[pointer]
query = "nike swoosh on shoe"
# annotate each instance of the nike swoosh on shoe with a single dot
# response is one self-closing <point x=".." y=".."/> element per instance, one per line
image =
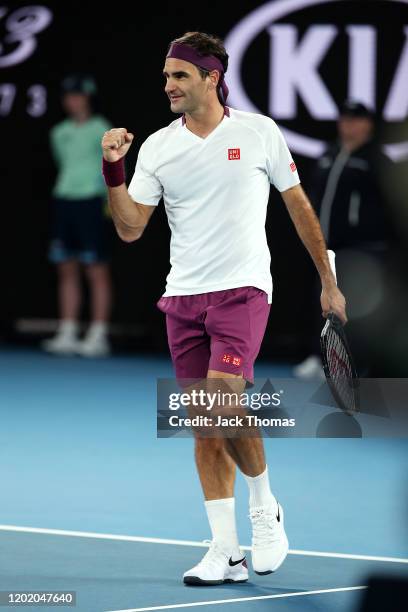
<point x="233" y="563"/>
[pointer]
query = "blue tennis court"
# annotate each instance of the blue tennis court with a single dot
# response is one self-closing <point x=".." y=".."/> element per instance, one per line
<point x="93" y="502"/>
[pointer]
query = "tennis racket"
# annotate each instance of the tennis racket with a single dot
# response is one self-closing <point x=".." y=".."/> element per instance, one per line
<point x="338" y="365"/>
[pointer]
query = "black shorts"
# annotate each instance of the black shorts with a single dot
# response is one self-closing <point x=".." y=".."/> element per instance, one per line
<point x="80" y="230"/>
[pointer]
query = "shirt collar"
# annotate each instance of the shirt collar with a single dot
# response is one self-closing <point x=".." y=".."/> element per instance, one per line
<point x="226" y="114"/>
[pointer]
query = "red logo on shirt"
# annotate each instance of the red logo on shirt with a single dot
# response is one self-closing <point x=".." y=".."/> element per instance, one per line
<point x="293" y="167"/>
<point x="236" y="361"/>
<point x="234" y="153"/>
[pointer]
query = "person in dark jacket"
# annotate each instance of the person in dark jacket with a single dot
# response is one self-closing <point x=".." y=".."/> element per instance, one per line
<point x="347" y="184"/>
<point x="349" y="196"/>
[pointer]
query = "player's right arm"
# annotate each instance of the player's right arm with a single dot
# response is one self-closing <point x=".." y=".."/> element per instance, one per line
<point x="130" y="217"/>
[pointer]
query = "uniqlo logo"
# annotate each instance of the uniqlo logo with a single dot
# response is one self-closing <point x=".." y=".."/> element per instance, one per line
<point x="236" y="361"/>
<point x="293" y="167"/>
<point x="234" y="153"/>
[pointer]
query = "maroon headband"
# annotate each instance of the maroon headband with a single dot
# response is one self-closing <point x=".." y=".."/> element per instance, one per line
<point x="206" y="62"/>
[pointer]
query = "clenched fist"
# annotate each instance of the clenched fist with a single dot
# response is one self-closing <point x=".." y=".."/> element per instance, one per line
<point x="116" y="143"/>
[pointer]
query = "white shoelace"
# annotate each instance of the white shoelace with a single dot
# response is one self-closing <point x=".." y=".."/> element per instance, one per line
<point x="264" y="527"/>
<point x="214" y="557"/>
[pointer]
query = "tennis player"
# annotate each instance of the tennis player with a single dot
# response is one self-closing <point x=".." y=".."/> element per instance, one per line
<point x="213" y="167"/>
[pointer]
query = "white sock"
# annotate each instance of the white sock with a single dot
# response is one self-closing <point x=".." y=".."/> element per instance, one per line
<point x="260" y="493"/>
<point x="221" y="516"/>
<point x="97" y="329"/>
<point x="68" y="328"/>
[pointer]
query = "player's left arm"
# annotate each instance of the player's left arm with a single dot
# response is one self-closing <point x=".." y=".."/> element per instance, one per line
<point x="308" y="228"/>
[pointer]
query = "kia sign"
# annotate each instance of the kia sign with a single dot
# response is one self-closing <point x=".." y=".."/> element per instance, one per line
<point x="18" y="45"/>
<point x="20" y="40"/>
<point x="292" y="65"/>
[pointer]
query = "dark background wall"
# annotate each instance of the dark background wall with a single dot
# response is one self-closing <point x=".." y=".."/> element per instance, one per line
<point x="123" y="46"/>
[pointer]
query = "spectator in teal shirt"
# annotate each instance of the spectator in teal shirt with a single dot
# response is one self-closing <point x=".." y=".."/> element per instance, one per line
<point x="80" y="228"/>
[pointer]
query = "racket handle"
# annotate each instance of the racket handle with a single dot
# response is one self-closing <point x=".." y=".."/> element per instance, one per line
<point x="332" y="257"/>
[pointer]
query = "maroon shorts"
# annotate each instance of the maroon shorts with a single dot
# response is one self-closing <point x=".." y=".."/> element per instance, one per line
<point x="220" y="330"/>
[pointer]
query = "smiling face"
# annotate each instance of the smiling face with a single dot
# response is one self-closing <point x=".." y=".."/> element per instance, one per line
<point x="186" y="88"/>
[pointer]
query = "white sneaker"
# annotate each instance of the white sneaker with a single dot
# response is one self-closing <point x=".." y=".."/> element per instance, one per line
<point x="217" y="567"/>
<point x="311" y="368"/>
<point x="269" y="542"/>
<point x="94" y="346"/>
<point x="61" y="344"/>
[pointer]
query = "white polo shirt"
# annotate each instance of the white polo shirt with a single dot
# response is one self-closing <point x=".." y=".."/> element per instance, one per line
<point x="215" y="191"/>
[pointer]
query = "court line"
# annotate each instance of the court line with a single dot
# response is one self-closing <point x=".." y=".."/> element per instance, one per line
<point x="239" y="599"/>
<point x="129" y="538"/>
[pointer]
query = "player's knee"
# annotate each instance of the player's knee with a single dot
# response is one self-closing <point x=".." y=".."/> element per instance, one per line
<point x="207" y="445"/>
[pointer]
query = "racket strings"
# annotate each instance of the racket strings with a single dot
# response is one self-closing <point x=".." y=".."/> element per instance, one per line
<point x="340" y="367"/>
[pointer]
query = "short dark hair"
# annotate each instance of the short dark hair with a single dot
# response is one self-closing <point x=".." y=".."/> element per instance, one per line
<point x="205" y="44"/>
